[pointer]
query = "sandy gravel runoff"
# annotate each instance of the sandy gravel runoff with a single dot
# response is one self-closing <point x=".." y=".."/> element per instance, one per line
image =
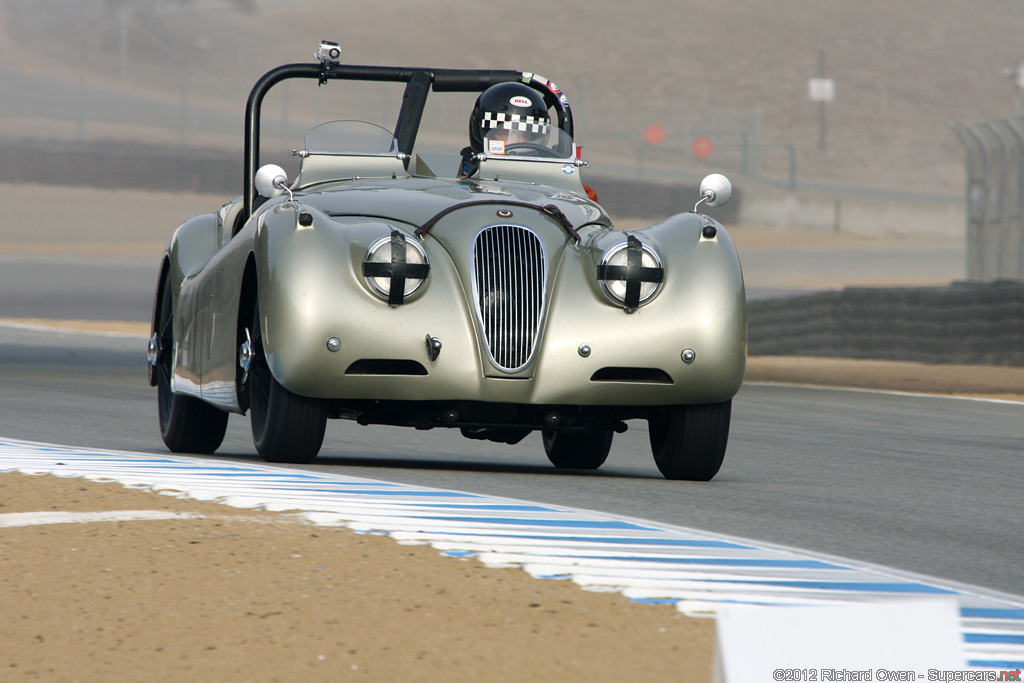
<point x="242" y="595"/>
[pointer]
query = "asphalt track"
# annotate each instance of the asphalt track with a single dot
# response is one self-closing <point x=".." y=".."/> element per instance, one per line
<point x="924" y="484"/>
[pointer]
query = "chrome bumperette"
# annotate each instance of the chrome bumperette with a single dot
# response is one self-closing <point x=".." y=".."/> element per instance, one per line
<point x="245" y="356"/>
<point x="153" y="350"/>
<point x="510" y="272"/>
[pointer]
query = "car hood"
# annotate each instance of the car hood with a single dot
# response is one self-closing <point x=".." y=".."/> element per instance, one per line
<point x="416" y="200"/>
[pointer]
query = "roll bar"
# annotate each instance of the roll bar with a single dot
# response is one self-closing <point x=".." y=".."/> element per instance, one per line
<point x="419" y="81"/>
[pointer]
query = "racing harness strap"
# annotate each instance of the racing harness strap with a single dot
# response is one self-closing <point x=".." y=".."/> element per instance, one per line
<point x="634" y="274"/>
<point x="398" y="271"/>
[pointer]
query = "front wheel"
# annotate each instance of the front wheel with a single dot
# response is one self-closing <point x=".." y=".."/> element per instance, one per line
<point x="577" y="449"/>
<point x="689" y="441"/>
<point x="187" y="425"/>
<point x="286" y="427"/>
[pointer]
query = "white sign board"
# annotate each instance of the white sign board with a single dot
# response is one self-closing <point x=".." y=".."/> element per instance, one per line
<point x="821" y="89"/>
<point x="896" y="640"/>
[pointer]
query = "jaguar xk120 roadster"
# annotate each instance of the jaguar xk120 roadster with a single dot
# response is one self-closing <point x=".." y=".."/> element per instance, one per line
<point x="483" y="290"/>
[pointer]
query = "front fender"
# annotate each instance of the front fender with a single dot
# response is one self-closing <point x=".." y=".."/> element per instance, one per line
<point x="701" y="307"/>
<point x="311" y="289"/>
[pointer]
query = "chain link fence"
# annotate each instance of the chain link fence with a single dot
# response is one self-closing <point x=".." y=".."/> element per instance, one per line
<point x="995" y="198"/>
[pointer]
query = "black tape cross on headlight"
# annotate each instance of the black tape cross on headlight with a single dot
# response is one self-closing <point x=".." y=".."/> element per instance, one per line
<point x="634" y="273"/>
<point x="397" y="271"/>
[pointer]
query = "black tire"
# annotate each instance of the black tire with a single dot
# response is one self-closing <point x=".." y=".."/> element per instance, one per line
<point x="689" y="441"/>
<point x="286" y="427"/>
<point x="577" y="449"/>
<point x="187" y="424"/>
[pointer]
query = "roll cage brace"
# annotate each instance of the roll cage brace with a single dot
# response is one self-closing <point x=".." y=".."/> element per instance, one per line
<point x="419" y="82"/>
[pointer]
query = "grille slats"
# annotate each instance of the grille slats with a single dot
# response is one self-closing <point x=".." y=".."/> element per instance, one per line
<point x="509" y="281"/>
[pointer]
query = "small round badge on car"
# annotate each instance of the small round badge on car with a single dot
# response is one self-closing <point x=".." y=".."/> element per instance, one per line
<point x="504" y="213"/>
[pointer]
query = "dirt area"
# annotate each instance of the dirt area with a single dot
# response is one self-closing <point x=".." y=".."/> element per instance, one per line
<point x="241" y="595"/>
<point x="976" y="381"/>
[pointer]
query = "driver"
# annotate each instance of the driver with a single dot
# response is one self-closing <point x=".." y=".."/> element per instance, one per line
<point x="515" y="112"/>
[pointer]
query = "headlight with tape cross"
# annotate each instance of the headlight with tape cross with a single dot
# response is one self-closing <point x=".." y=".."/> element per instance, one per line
<point x="395" y="268"/>
<point x="631" y="273"/>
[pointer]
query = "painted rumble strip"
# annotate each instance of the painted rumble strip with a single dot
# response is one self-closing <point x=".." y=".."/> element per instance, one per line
<point x="645" y="561"/>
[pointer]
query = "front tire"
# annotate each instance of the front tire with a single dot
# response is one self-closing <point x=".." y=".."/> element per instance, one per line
<point x="187" y="424"/>
<point x="577" y="449"/>
<point x="286" y="427"/>
<point x="689" y="441"/>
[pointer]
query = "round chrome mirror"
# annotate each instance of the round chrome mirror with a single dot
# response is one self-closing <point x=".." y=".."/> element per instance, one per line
<point x="271" y="180"/>
<point x="715" y="189"/>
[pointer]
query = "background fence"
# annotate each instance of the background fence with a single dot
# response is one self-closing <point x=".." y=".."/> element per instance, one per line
<point x="995" y="198"/>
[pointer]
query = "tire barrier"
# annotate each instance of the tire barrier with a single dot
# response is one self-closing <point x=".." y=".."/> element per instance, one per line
<point x="966" y="323"/>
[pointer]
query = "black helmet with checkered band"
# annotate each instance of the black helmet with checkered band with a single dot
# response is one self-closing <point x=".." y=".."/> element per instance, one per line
<point x="512" y="106"/>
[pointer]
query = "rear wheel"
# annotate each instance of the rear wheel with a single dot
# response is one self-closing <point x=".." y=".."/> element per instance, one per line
<point x="187" y="425"/>
<point x="577" y="449"/>
<point x="689" y="441"/>
<point x="286" y="427"/>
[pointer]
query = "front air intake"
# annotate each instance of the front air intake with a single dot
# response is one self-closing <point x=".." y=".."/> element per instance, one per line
<point x="510" y="273"/>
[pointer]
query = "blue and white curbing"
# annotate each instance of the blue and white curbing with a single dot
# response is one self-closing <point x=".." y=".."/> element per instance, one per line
<point x="645" y="561"/>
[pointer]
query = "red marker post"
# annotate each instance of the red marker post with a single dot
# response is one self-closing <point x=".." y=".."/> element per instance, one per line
<point x="655" y="135"/>
<point x="702" y="148"/>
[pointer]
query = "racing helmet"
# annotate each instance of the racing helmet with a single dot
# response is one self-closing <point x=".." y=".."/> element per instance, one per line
<point x="511" y="106"/>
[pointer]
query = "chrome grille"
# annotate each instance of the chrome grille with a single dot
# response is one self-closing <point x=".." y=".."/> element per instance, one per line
<point x="509" y="285"/>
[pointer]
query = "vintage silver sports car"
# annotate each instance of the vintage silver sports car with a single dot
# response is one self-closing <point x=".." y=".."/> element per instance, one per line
<point x="485" y="292"/>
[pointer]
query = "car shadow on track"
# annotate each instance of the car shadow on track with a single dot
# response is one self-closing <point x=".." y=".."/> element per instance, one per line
<point x="385" y="463"/>
<point x="468" y="466"/>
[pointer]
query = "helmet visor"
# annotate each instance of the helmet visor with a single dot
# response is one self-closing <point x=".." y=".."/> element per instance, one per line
<point x="554" y="144"/>
<point x="515" y="128"/>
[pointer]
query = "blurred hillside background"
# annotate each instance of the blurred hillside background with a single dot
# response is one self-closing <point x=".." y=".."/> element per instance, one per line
<point x="736" y="72"/>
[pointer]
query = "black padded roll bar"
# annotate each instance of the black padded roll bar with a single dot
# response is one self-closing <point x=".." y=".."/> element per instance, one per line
<point x="440" y="80"/>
